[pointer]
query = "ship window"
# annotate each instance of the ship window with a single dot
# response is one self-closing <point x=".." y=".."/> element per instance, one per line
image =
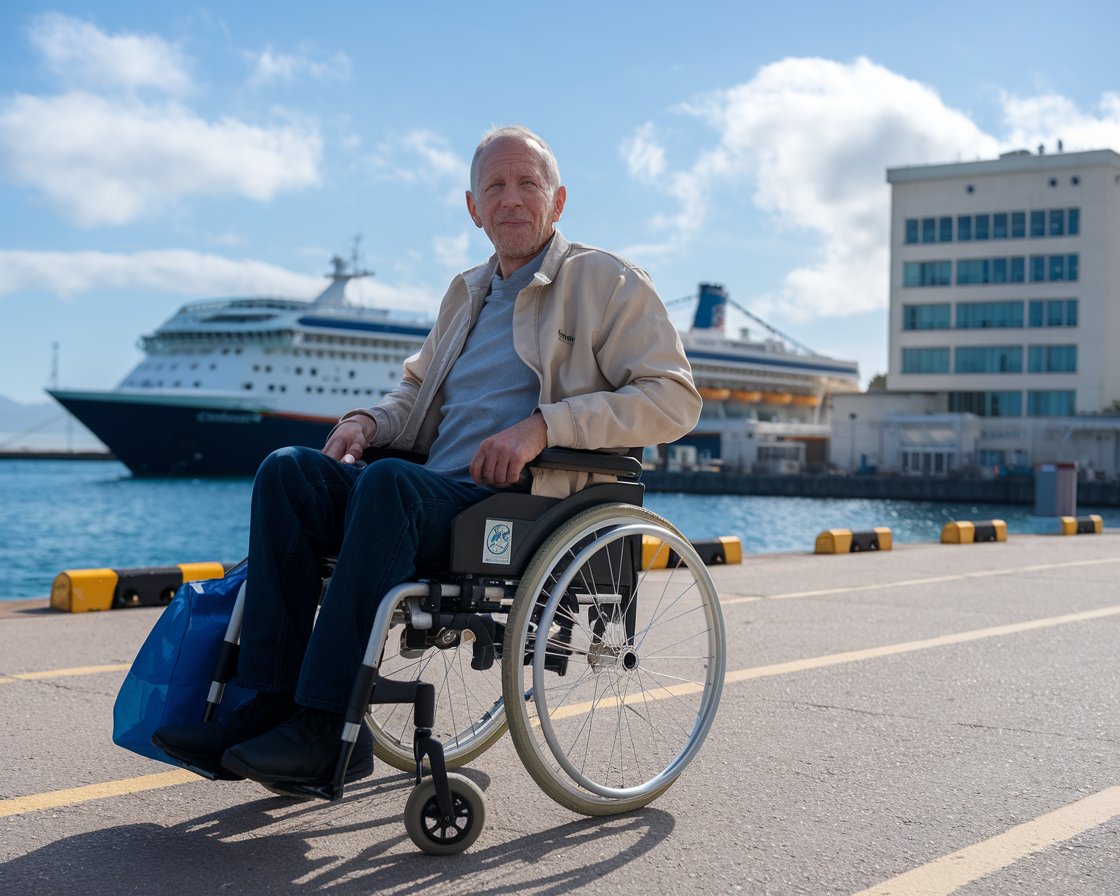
<point x="299" y="371"/>
<point x="353" y="374"/>
<point x="313" y="371"/>
<point x="283" y="388"/>
<point x="197" y="384"/>
<point x="271" y="387"/>
<point x="246" y="385"/>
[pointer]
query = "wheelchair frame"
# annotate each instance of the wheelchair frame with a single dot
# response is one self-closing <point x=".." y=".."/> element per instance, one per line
<point x="566" y="557"/>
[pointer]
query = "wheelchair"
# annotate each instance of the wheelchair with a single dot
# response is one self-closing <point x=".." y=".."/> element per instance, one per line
<point x="588" y="627"/>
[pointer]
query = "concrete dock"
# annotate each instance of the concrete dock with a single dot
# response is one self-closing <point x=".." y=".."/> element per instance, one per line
<point x="929" y="720"/>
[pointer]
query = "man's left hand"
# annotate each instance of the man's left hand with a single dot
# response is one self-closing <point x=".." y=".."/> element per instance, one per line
<point x="500" y="459"/>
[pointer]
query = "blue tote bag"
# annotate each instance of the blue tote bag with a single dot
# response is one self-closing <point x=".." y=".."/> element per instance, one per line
<point x="170" y="678"/>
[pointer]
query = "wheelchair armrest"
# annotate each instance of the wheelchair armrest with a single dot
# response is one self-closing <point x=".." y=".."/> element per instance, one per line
<point x="624" y="466"/>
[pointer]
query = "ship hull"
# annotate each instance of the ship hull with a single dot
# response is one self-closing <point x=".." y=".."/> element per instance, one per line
<point x="173" y="438"/>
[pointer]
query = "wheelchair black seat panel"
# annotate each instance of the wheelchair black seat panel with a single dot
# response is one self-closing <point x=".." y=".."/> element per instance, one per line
<point x="498" y="536"/>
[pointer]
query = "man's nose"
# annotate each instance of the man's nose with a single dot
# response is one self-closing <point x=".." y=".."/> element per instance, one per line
<point x="511" y="197"/>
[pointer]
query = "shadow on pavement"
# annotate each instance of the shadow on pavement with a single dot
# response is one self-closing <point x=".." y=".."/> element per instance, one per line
<point x="276" y="845"/>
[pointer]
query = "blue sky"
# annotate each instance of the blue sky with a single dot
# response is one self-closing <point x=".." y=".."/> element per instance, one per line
<point x="151" y="154"/>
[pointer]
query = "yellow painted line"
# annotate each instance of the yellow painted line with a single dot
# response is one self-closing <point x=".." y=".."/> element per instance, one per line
<point x="837" y="659"/>
<point x="55" y="799"/>
<point x="870" y="653"/>
<point x="910" y="583"/>
<point x="58" y="798"/>
<point x="951" y="872"/>
<point x="9" y="677"/>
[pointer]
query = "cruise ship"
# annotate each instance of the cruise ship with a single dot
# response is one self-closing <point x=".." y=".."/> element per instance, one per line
<point x="225" y="382"/>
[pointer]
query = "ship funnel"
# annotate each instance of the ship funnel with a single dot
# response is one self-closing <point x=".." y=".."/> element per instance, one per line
<point x="710" y="311"/>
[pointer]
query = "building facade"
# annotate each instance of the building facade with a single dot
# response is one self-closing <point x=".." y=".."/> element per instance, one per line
<point x="1005" y="305"/>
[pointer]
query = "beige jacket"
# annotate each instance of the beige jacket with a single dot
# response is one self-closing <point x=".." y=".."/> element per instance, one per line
<point x="612" y="368"/>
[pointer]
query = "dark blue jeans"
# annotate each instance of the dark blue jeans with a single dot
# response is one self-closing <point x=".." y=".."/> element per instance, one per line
<point x="384" y="522"/>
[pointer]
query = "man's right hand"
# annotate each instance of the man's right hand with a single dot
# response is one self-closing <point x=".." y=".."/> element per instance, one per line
<point x="350" y="439"/>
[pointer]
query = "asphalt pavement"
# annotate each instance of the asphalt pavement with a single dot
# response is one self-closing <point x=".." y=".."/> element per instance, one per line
<point x="932" y="719"/>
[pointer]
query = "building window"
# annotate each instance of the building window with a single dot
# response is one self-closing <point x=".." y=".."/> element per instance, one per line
<point x="1052" y="359"/>
<point x="911" y="231"/>
<point x="980" y="231"/>
<point x="972" y="271"/>
<point x="982" y="315"/>
<point x="929" y="230"/>
<point x="945" y="229"/>
<point x="1057" y="222"/>
<point x="927" y="273"/>
<point x="1053" y="313"/>
<point x="1038" y="224"/>
<point x="925" y="317"/>
<point x="925" y="360"/>
<point x="999" y="226"/>
<point x="1051" y="403"/>
<point x="1038" y="269"/>
<point x="1073" y="221"/>
<point x="988" y="359"/>
<point x="987" y="404"/>
<point x="1018" y="225"/>
<point x="964" y="228"/>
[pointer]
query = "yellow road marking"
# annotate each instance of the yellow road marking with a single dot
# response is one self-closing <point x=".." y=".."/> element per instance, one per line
<point x="953" y="871"/>
<point x="909" y="583"/>
<point x="837" y="659"/>
<point x="54" y="799"/>
<point x="9" y="677"/>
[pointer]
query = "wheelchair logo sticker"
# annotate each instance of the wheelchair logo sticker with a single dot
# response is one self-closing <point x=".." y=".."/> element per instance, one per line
<point x="497" y="542"/>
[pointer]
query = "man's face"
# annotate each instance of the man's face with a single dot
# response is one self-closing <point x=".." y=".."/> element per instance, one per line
<point x="515" y="204"/>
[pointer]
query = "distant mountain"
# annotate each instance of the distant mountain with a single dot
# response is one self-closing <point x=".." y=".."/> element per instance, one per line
<point x="42" y="426"/>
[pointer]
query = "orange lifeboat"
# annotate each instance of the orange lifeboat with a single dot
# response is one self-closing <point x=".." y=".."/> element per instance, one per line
<point x="777" y="398"/>
<point x="747" y="396"/>
<point x="805" y="401"/>
<point x="710" y="393"/>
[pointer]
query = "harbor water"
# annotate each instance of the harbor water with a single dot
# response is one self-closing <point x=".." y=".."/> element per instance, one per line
<point x="66" y="514"/>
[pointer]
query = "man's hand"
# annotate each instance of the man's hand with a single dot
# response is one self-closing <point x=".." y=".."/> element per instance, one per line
<point x="501" y="459"/>
<point x="350" y="438"/>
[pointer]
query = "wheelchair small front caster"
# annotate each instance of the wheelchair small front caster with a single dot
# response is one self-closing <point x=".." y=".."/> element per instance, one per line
<point x="440" y="836"/>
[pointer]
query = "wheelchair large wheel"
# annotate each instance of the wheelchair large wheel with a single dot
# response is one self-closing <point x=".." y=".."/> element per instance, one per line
<point x="610" y="706"/>
<point x="469" y="710"/>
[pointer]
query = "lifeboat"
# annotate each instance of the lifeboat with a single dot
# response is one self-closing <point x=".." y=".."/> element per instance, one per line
<point x="776" y="398"/>
<point x="709" y="393"/>
<point x="747" y="396"/>
<point x="805" y="401"/>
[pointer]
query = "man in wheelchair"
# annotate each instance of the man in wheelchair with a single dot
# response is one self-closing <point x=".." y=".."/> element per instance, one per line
<point x="547" y="344"/>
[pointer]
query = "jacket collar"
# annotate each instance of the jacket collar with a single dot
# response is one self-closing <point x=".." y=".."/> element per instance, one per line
<point x="478" y="278"/>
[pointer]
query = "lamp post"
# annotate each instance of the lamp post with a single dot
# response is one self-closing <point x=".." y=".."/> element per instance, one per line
<point x="852" y="457"/>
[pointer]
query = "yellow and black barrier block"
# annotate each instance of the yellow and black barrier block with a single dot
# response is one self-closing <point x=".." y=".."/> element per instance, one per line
<point x="86" y="590"/>
<point x="971" y="532"/>
<point x="1080" y="525"/>
<point x="713" y="552"/>
<point x="845" y="541"/>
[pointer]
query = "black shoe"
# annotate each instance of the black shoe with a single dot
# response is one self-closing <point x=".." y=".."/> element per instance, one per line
<point x="201" y="745"/>
<point x="304" y="750"/>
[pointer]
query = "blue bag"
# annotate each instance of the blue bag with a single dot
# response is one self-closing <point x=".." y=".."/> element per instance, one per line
<point x="170" y="678"/>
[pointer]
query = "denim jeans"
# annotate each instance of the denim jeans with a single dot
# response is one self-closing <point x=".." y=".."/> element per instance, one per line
<point x="384" y="522"/>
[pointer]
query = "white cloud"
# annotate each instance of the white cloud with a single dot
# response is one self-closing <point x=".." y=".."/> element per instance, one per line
<point x="81" y="54"/>
<point x="270" y="67"/>
<point x="102" y="162"/>
<point x="452" y="251"/>
<point x="1043" y="120"/>
<point x="815" y="137"/>
<point x="424" y="157"/>
<point x="644" y="157"/>
<point x="184" y="272"/>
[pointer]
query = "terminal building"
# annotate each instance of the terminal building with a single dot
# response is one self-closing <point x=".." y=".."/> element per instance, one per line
<point x="1004" y="320"/>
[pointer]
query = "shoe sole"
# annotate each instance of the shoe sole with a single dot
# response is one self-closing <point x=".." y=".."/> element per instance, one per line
<point x="234" y="765"/>
<point x="206" y="766"/>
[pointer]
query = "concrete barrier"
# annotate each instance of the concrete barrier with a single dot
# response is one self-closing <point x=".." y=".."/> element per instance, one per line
<point x="713" y="551"/>
<point x="1080" y="525"/>
<point x="87" y="590"/>
<point x="845" y="541"/>
<point x="967" y="532"/>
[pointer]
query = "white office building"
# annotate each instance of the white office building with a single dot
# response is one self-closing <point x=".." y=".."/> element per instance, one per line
<point x="1004" y="320"/>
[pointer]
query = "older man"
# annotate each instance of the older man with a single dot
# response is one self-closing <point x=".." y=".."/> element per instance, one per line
<point x="548" y="344"/>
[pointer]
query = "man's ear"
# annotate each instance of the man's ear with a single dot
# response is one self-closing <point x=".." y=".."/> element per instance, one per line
<point x="473" y="210"/>
<point x="558" y="203"/>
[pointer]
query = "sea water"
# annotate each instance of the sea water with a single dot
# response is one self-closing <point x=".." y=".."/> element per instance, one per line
<point x="68" y="514"/>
